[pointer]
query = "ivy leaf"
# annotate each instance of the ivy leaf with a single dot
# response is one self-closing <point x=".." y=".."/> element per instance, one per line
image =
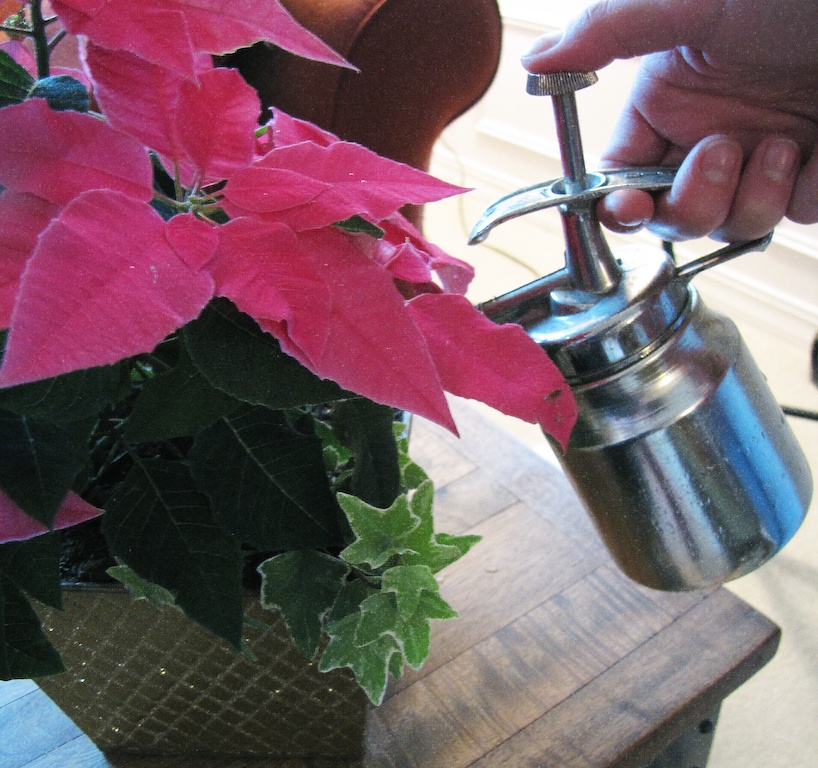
<point x="179" y="402"/>
<point x="266" y="481"/>
<point x="428" y="548"/>
<point x="24" y="650"/>
<point x="34" y="567"/>
<point x="390" y="627"/>
<point x="370" y="663"/>
<point x="159" y="524"/>
<point x="224" y="344"/>
<point x="412" y="474"/>
<point x="409" y="583"/>
<point x="335" y="452"/>
<point x="142" y="589"/>
<point x="403" y="610"/>
<point x="39" y="461"/>
<point x="15" y="81"/>
<point x="303" y="585"/>
<point x="380" y="533"/>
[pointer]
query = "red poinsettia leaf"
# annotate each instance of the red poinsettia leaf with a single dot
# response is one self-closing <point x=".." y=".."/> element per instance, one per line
<point x="409" y="256"/>
<point x="16" y="525"/>
<point x="22" y="218"/>
<point x="102" y="284"/>
<point x="499" y="365"/>
<point x="358" y="182"/>
<point x="292" y="130"/>
<point x="58" y="155"/>
<point x="333" y="309"/>
<point x="216" y="122"/>
<point x="194" y="240"/>
<point x="159" y="34"/>
<point x="167" y="32"/>
<point x="140" y="98"/>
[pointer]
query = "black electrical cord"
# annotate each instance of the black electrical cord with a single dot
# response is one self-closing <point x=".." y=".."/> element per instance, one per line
<point x="799" y="413"/>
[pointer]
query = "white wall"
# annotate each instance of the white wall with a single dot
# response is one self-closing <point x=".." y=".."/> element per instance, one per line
<point x="508" y="141"/>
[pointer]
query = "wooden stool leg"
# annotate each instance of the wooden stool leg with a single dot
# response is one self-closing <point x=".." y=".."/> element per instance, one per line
<point x="691" y="749"/>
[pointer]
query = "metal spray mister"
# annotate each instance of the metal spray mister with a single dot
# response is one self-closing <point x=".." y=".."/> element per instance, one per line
<point x="680" y="454"/>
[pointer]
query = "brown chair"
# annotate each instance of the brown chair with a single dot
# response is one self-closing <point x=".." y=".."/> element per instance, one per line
<point x="422" y="63"/>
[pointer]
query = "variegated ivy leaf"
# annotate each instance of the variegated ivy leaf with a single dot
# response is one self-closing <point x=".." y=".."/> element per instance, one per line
<point x="391" y="627"/>
<point x="380" y="533"/>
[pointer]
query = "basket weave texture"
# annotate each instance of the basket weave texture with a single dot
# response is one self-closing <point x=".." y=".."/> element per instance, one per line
<point x="150" y="681"/>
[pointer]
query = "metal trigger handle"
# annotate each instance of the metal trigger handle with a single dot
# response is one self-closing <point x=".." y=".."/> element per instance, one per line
<point x="590" y="266"/>
<point x="552" y="193"/>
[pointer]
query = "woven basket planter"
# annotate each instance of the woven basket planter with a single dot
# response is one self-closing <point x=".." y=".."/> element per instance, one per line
<point x="149" y="681"/>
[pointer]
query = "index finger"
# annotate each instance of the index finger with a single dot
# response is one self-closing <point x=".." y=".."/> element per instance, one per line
<point x="623" y="29"/>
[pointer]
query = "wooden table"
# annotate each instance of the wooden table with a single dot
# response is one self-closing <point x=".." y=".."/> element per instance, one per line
<point x="557" y="659"/>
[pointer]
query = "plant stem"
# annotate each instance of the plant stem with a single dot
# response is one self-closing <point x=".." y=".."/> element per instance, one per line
<point x="52" y="44"/>
<point x="40" y="38"/>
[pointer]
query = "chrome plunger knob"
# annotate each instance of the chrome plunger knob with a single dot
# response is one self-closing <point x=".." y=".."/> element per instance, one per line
<point x="590" y="262"/>
<point x="561" y="86"/>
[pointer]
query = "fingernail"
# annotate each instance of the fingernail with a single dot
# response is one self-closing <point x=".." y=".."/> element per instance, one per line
<point x="634" y="224"/>
<point x="720" y="162"/>
<point x="541" y="45"/>
<point x="779" y="159"/>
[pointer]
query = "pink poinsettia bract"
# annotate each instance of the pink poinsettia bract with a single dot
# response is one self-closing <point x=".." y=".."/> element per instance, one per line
<point x="268" y="217"/>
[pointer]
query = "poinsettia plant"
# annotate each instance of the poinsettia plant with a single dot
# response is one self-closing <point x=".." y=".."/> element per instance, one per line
<point x="210" y="327"/>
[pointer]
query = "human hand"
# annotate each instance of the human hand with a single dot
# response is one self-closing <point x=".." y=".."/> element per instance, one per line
<point x="729" y="90"/>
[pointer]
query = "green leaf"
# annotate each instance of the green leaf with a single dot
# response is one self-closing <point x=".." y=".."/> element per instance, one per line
<point x="303" y="585"/>
<point x="225" y="345"/>
<point x="360" y="224"/>
<point x="412" y="474"/>
<point x="62" y="92"/>
<point x="335" y="452"/>
<point x="349" y="599"/>
<point x="24" y="650"/>
<point x="39" y="461"/>
<point x="142" y="589"/>
<point x="370" y="664"/>
<point x="177" y="403"/>
<point x="409" y="599"/>
<point x="408" y="583"/>
<point x="15" y="81"/>
<point x="266" y="481"/>
<point x="389" y="628"/>
<point x="71" y="397"/>
<point x="34" y="566"/>
<point x="368" y="429"/>
<point x="161" y="525"/>
<point x="378" y="616"/>
<point x="380" y="533"/>
<point x="428" y="548"/>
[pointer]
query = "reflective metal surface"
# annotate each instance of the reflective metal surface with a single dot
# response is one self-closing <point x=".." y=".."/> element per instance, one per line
<point x="686" y="462"/>
<point x="681" y="454"/>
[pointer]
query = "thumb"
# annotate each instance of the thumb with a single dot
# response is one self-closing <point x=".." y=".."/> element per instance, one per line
<point x="621" y="29"/>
